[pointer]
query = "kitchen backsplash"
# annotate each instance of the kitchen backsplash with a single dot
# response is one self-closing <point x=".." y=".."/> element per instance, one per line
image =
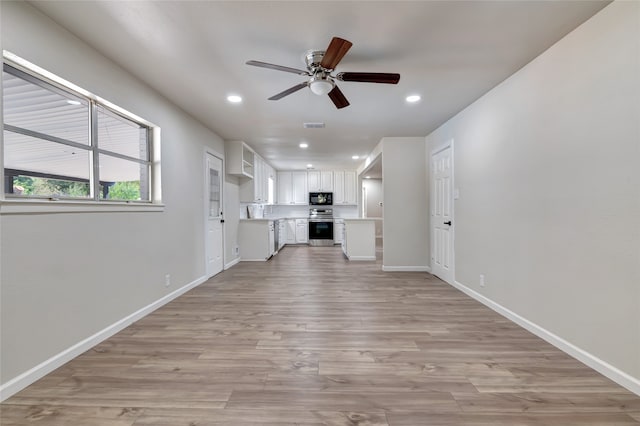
<point x="278" y="211"/>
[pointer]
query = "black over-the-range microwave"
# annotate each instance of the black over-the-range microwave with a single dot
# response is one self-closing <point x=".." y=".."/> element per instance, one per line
<point x="321" y="198"/>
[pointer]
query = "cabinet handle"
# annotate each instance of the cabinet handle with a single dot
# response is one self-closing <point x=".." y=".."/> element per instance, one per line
<point x="448" y="223"/>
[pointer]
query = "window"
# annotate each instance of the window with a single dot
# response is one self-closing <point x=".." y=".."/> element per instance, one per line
<point x="60" y="143"/>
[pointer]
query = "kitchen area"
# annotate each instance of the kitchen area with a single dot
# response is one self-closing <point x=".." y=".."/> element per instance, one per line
<point x="297" y="207"/>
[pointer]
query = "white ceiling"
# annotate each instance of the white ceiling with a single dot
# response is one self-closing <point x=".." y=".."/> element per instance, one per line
<point x="194" y="52"/>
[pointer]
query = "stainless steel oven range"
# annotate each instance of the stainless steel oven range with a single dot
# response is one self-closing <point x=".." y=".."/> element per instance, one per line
<point x="321" y="227"/>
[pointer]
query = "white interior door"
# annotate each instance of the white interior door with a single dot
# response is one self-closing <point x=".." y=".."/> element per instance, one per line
<point x="442" y="213"/>
<point x="213" y="205"/>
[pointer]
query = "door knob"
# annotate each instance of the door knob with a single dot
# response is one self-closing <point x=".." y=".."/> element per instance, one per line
<point x="448" y="223"/>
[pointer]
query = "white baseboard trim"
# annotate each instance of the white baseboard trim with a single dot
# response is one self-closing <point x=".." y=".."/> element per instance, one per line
<point x="406" y="268"/>
<point x="20" y="382"/>
<point x="233" y="262"/>
<point x="620" y="377"/>
<point x="361" y="257"/>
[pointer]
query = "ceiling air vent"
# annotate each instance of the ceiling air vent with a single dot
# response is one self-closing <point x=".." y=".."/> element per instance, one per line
<point x="313" y="125"/>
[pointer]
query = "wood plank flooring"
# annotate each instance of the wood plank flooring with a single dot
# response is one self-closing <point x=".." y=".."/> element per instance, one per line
<point x="309" y="338"/>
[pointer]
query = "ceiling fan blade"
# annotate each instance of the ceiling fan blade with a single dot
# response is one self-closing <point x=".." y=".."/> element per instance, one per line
<point x="289" y="91"/>
<point x="277" y="67"/>
<point x="338" y="98"/>
<point x="369" y="77"/>
<point x="335" y="52"/>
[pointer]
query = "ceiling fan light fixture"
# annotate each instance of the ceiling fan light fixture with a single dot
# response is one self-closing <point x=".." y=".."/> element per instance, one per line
<point x="321" y="86"/>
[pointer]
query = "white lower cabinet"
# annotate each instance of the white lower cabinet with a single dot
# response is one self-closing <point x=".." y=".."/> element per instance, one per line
<point x="359" y="241"/>
<point x="290" y="225"/>
<point x="302" y="231"/>
<point x="282" y="233"/>
<point x="344" y="241"/>
<point x="255" y="238"/>
<point x="338" y="231"/>
<point x="296" y="231"/>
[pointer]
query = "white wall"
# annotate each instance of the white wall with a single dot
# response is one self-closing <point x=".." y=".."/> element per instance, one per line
<point x="65" y="277"/>
<point x="404" y="184"/>
<point x="548" y="167"/>
<point x="231" y="220"/>
<point x="374" y="201"/>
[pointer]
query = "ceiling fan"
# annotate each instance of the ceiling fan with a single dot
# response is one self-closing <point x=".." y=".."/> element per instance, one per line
<point x="320" y="65"/>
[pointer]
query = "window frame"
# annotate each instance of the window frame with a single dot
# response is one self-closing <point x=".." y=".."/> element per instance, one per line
<point x="17" y="203"/>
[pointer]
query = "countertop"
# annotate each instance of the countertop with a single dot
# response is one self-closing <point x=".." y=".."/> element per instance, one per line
<point x="267" y="219"/>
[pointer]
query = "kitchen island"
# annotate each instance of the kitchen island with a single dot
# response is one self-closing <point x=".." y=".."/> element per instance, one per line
<point x="256" y="238"/>
<point x="359" y="241"/>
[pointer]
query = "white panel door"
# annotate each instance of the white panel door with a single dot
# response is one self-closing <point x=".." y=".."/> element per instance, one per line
<point x="213" y="204"/>
<point x="442" y="214"/>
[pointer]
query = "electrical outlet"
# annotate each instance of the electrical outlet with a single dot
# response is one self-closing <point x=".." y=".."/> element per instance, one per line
<point x="481" y="280"/>
<point x="167" y="280"/>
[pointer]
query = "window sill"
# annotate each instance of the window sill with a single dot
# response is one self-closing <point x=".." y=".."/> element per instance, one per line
<point x="42" y="206"/>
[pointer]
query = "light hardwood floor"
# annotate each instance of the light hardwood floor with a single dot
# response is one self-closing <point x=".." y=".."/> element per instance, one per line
<point x="311" y="339"/>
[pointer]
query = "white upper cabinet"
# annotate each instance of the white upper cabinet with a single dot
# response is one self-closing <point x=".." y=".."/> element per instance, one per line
<point x="344" y="188"/>
<point x="292" y="188"/>
<point x="320" y="181"/>
<point x="338" y="187"/>
<point x="326" y="180"/>
<point x="285" y="188"/>
<point x="350" y="185"/>
<point x="239" y="158"/>
<point x="300" y="192"/>
<point x="313" y="180"/>
<point x="256" y="189"/>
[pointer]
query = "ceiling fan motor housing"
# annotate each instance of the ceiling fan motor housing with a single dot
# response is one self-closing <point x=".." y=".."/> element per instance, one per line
<point x="313" y="59"/>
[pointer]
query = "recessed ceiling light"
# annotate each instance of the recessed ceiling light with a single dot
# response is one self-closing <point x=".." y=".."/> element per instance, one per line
<point x="304" y="145"/>
<point x="355" y="157"/>
<point x="309" y="166"/>
<point x="413" y="98"/>
<point x="73" y="102"/>
<point x="367" y="177"/>
<point x="234" y="99"/>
